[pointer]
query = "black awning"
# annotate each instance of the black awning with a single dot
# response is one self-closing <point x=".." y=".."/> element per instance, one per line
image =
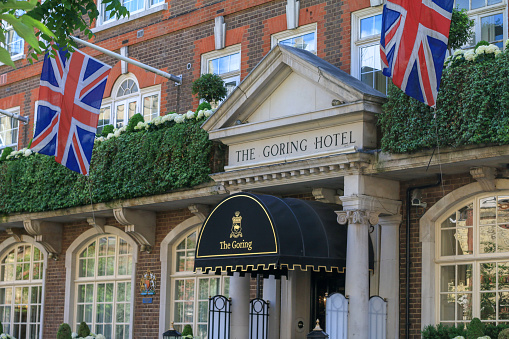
<point x="252" y="233"/>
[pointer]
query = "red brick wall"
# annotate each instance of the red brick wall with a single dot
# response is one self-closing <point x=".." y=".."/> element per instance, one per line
<point x="179" y="36"/>
<point x="146" y="323"/>
<point x="429" y="196"/>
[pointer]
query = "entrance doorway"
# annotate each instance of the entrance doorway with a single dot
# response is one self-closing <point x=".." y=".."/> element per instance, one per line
<point x="323" y="284"/>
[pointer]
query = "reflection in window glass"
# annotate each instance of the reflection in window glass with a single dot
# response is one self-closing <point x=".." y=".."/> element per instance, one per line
<point x="21" y="291"/>
<point x="104" y="118"/>
<point x="371" y="26"/>
<point x="8" y="131"/>
<point x="306" y="42"/>
<point x="150" y="107"/>
<point x="103" y="295"/>
<point x="225" y="64"/>
<point x="371" y="70"/>
<point x="492" y="29"/>
<point x="191" y="292"/>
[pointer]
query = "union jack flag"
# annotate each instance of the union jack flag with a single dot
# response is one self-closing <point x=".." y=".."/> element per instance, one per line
<point x="414" y="43"/>
<point x="70" y="96"/>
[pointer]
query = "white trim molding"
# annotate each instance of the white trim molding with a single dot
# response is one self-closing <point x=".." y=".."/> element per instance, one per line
<point x="427" y="238"/>
<point x="7" y="245"/>
<point x="166" y="269"/>
<point x="70" y="269"/>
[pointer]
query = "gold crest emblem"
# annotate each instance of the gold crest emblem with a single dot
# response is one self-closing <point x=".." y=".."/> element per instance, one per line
<point x="236" y="227"/>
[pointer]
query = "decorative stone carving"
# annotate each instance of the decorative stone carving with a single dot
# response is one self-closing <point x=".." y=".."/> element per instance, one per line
<point x="358" y="217"/>
<point x="48" y="234"/>
<point x="292" y="14"/>
<point x="16" y="233"/>
<point x="98" y="224"/>
<point x="140" y="225"/>
<point x="485" y="176"/>
<point x="326" y="195"/>
<point x="219" y="32"/>
<point x="199" y="210"/>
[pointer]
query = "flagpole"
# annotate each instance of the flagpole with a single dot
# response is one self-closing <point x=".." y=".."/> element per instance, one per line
<point x="15" y="116"/>
<point x="177" y="79"/>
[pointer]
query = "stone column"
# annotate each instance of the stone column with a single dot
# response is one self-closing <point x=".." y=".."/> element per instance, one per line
<point x="357" y="269"/>
<point x="389" y="271"/>
<point x="272" y="293"/>
<point x="239" y="292"/>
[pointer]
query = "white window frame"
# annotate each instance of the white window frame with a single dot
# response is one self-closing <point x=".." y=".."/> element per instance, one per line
<point x="5" y="247"/>
<point x="113" y="101"/>
<point x="15" y="110"/>
<point x="474" y="259"/>
<point x="190" y="275"/>
<point x="293" y="33"/>
<point x="148" y="9"/>
<point x="479" y="13"/>
<point x="95" y="280"/>
<point x="227" y="77"/>
<point x="356" y="42"/>
<point x="71" y="265"/>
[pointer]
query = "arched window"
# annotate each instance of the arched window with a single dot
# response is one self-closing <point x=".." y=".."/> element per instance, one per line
<point x="103" y="286"/>
<point x="127" y="100"/>
<point x="473" y="261"/>
<point x="21" y="278"/>
<point x="191" y="291"/>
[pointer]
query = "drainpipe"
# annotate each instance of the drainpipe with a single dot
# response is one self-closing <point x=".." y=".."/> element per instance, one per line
<point x="407" y="273"/>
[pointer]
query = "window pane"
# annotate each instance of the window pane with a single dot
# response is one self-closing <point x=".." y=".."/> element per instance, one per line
<point x="487" y="211"/>
<point x="478" y="3"/>
<point x="133" y="5"/>
<point x="462" y="4"/>
<point x="488" y="306"/>
<point x="371" y="26"/>
<point x="488" y="276"/>
<point x="448" y="242"/>
<point x="464" y="306"/>
<point x="492" y="28"/>
<point x="487" y="236"/>
<point x="447" y="305"/>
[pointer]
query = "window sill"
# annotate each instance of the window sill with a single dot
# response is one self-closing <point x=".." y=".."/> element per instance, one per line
<point x="15" y="58"/>
<point x="108" y="25"/>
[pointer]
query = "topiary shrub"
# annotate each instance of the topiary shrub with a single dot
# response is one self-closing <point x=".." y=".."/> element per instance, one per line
<point x="83" y="330"/>
<point x="107" y="130"/>
<point x="64" y="331"/>
<point x="5" y="153"/>
<point x="475" y="329"/>
<point x="504" y="334"/>
<point x="134" y="121"/>
<point x="481" y="43"/>
<point x="203" y="106"/>
<point x="187" y="332"/>
<point x="209" y="87"/>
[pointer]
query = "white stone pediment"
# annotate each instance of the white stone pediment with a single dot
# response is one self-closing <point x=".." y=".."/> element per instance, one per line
<point x="293" y="95"/>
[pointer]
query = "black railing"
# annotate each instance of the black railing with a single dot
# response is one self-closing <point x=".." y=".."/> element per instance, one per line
<point x="258" y="319"/>
<point x="219" y="317"/>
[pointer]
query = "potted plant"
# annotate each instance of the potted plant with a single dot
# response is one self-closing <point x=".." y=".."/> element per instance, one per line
<point x="209" y="87"/>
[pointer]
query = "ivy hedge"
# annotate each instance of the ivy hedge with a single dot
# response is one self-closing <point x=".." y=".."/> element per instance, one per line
<point x="472" y="108"/>
<point x="134" y="164"/>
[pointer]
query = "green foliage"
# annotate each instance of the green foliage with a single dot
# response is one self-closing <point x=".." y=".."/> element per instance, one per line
<point x="134" y="121"/>
<point x="475" y="329"/>
<point x="66" y="18"/>
<point x="504" y="334"/>
<point x="461" y="29"/>
<point x="209" y="87"/>
<point x="107" y="130"/>
<point x="144" y="163"/>
<point x="83" y="330"/>
<point x="5" y="153"/>
<point x="13" y="12"/>
<point x="203" y="106"/>
<point x="472" y="108"/>
<point x="187" y="332"/>
<point x="481" y="43"/>
<point x="1" y="328"/>
<point x="443" y="332"/>
<point x="64" y="331"/>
